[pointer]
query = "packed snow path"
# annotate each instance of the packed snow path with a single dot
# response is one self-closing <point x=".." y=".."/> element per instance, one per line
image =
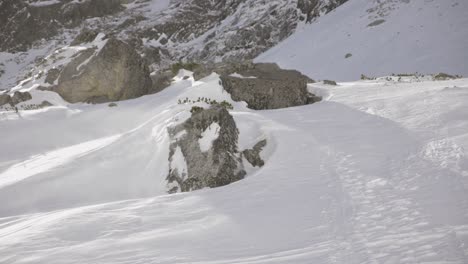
<point x="376" y="173"/>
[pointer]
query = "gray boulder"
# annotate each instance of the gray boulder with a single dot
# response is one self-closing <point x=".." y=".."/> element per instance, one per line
<point x="4" y="99"/>
<point x="219" y="165"/>
<point x="116" y="73"/>
<point x="253" y="155"/>
<point x="45" y="104"/>
<point x="266" y="86"/>
<point x="19" y="97"/>
<point x="329" y="82"/>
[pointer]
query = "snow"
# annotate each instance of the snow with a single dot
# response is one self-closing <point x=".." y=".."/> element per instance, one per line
<point x="208" y="136"/>
<point x="416" y="36"/>
<point x="178" y="162"/>
<point x="44" y="2"/>
<point x="237" y="75"/>
<point x="375" y="173"/>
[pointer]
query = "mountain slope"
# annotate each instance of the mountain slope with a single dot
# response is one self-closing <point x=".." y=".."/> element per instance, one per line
<point x="162" y="31"/>
<point x="375" y="173"/>
<point x="378" y="38"/>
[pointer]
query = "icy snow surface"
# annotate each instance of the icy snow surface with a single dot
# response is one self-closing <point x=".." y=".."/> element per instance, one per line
<point x="376" y="173"/>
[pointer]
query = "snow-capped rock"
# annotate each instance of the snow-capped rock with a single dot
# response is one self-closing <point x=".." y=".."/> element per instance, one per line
<point x="207" y="146"/>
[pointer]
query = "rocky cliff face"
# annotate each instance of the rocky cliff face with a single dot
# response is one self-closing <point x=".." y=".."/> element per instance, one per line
<point x="22" y="23"/>
<point x="162" y="32"/>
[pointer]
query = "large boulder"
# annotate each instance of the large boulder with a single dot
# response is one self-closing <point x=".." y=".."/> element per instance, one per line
<point x="5" y="99"/>
<point x="204" y="151"/>
<point x="253" y="155"/>
<point x="19" y="97"/>
<point x="266" y="86"/>
<point x="115" y="73"/>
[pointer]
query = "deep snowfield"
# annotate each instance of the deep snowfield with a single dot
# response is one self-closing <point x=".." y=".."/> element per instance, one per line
<point x="426" y="36"/>
<point x="376" y="173"/>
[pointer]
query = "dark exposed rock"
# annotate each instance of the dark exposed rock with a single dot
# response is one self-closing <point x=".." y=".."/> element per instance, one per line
<point x="85" y="36"/>
<point x="329" y="82"/>
<point x="266" y="86"/>
<point x="444" y="76"/>
<point x="21" y="24"/>
<point x="253" y="155"/>
<point x="52" y="75"/>
<point x="218" y="166"/>
<point x="376" y="23"/>
<point x="312" y="98"/>
<point x="116" y="73"/>
<point x="4" y="99"/>
<point x="243" y="35"/>
<point x="45" y="104"/>
<point x="312" y="8"/>
<point x="19" y="97"/>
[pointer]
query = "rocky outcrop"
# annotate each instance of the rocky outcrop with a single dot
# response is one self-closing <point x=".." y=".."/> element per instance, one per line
<point x="85" y="36"/>
<point x="15" y="99"/>
<point x="253" y="155"/>
<point x="314" y="8"/>
<point x="115" y="73"/>
<point x="52" y="76"/>
<point x="5" y="99"/>
<point x="204" y="151"/>
<point x="24" y="22"/>
<point x="266" y="86"/>
<point x="232" y="30"/>
<point x="19" y="97"/>
<point x="199" y="31"/>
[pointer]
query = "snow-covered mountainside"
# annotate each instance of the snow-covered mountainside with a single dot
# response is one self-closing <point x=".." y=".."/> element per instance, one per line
<point x="140" y="131"/>
<point x="375" y="173"/>
<point x="380" y="37"/>
<point x="162" y="31"/>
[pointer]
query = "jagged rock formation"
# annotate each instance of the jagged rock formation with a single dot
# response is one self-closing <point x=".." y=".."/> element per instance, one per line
<point x="314" y="8"/>
<point x="24" y="22"/>
<point x="233" y="30"/>
<point x="266" y="86"/>
<point x="204" y="151"/>
<point x="191" y="30"/>
<point x="115" y="73"/>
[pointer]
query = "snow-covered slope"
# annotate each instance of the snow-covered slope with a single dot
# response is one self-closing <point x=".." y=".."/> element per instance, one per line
<point x="379" y="38"/>
<point x="376" y="173"/>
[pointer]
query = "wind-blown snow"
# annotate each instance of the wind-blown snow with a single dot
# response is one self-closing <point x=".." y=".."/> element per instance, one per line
<point x="376" y="173"/>
<point x="415" y="36"/>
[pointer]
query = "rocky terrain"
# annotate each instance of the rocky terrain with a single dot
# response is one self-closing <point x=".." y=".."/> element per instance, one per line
<point x="208" y="131"/>
<point x="162" y="32"/>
